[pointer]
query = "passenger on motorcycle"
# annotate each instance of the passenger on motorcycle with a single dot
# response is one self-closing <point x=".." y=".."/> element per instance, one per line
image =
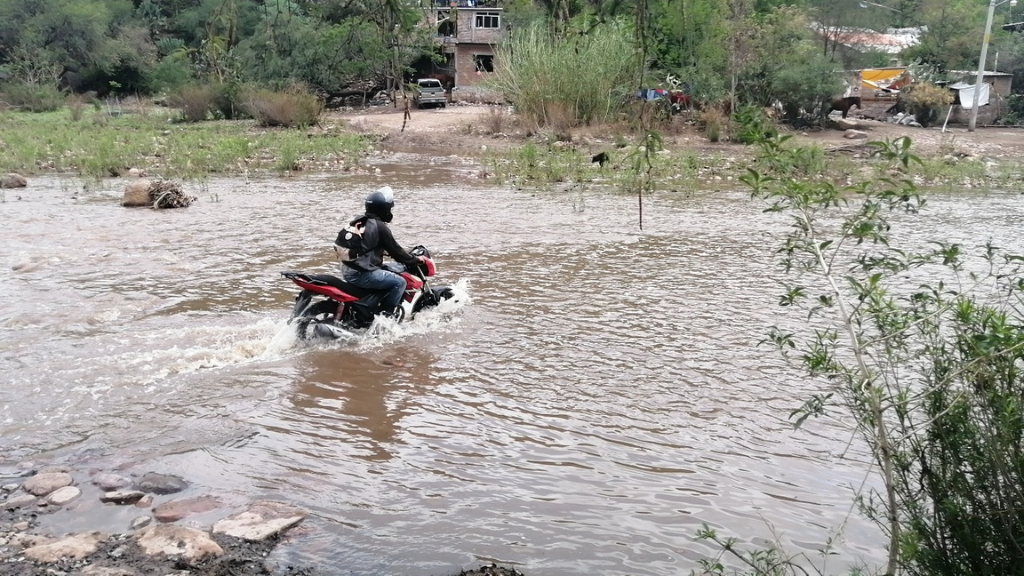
<point x="365" y="267"/>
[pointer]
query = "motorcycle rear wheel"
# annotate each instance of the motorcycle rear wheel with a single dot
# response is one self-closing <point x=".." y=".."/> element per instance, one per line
<point x="311" y="315"/>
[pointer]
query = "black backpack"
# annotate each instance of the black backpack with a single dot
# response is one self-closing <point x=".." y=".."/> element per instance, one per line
<point x="358" y="237"/>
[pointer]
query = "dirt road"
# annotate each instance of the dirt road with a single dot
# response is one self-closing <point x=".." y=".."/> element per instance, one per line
<point x="473" y="126"/>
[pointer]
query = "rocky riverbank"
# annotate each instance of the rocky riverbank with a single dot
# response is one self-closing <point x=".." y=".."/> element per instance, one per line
<point x="166" y="531"/>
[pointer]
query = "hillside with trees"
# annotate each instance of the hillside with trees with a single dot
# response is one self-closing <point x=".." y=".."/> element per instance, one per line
<point x="736" y="51"/>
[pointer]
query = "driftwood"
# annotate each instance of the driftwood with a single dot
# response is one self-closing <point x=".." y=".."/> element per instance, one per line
<point x="854" y="149"/>
<point x="158" y="194"/>
<point x="169" y="195"/>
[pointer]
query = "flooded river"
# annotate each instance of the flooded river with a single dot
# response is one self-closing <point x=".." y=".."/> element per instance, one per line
<point x="594" y="397"/>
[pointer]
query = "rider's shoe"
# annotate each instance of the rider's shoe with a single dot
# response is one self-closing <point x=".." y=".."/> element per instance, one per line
<point x="395" y="315"/>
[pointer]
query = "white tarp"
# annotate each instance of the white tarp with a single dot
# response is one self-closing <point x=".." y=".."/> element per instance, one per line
<point x="966" y="92"/>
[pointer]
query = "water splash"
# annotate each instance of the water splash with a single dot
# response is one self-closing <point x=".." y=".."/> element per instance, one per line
<point x="385" y="331"/>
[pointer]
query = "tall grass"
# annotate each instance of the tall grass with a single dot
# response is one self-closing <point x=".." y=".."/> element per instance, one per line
<point x="293" y="108"/>
<point x="194" y="102"/>
<point x="566" y="82"/>
<point x="31" y="97"/>
<point x="47" y="142"/>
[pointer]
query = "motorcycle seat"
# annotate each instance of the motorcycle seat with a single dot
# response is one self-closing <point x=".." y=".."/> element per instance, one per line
<point x="340" y="284"/>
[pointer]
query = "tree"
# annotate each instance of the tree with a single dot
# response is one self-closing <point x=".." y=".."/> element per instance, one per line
<point x="75" y="34"/>
<point x="689" y="40"/>
<point x="953" y="37"/>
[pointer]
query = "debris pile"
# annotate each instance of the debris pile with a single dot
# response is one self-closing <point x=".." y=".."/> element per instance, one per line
<point x="157" y="194"/>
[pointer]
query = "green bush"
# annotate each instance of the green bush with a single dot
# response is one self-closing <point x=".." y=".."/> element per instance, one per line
<point x="753" y="125"/>
<point x="32" y="97"/>
<point x="926" y="101"/>
<point x="293" y="108"/>
<point x="228" y="102"/>
<point x="806" y="86"/>
<point x="170" y="73"/>
<point x="1015" y="110"/>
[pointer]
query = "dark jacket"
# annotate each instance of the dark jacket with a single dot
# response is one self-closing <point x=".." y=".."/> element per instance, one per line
<point x="378" y="234"/>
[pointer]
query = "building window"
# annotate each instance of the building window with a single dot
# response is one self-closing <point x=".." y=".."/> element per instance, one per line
<point x="483" y="62"/>
<point x="488" y="20"/>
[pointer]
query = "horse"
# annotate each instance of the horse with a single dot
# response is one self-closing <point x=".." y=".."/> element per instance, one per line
<point x="844" y="104"/>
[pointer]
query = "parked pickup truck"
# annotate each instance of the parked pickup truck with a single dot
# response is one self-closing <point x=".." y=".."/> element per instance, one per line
<point x="430" y="92"/>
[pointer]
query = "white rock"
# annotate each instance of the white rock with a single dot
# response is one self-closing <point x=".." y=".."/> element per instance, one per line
<point x="141" y="522"/>
<point x="108" y="482"/>
<point x="260" y="521"/>
<point x="43" y="484"/>
<point x="104" y="571"/>
<point x="23" y="541"/>
<point x="19" y="501"/>
<point x="122" y="496"/>
<point x="62" y="496"/>
<point x="847" y="124"/>
<point x="74" y="547"/>
<point x="175" y="540"/>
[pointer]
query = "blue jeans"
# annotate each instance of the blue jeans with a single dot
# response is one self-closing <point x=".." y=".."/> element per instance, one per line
<point x="378" y="280"/>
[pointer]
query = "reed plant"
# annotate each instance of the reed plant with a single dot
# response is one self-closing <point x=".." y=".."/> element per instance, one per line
<point x="564" y="82"/>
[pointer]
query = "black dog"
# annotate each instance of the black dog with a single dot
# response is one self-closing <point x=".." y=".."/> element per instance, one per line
<point x="600" y="159"/>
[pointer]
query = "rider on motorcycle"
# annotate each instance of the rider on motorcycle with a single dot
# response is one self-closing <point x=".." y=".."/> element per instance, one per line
<point x="366" y="269"/>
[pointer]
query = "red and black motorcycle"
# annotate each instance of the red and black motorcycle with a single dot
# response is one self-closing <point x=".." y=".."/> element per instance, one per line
<point x="329" y="307"/>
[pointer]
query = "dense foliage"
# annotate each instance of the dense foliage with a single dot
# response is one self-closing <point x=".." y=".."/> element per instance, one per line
<point x="743" y="51"/>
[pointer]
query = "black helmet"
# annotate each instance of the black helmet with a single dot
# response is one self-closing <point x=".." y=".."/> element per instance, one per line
<point x="380" y="202"/>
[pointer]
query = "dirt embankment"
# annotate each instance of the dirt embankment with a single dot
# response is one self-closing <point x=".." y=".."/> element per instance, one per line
<point x="472" y="127"/>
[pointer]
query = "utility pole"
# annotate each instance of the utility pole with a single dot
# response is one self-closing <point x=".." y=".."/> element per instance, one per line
<point x="981" y="62"/>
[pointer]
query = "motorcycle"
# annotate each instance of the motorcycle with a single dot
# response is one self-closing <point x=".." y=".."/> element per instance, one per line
<point x="329" y="307"/>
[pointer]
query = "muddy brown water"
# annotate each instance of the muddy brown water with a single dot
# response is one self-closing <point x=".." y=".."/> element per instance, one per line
<point x="595" y="395"/>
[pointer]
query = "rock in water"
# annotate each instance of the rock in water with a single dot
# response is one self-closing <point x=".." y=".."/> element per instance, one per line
<point x="160" y="483"/>
<point x="62" y="496"/>
<point x="123" y="496"/>
<point x="43" y="484"/>
<point x="177" y="509"/>
<point x="108" y="482"/>
<point x="13" y="180"/>
<point x="136" y="193"/>
<point x="260" y="521"/>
